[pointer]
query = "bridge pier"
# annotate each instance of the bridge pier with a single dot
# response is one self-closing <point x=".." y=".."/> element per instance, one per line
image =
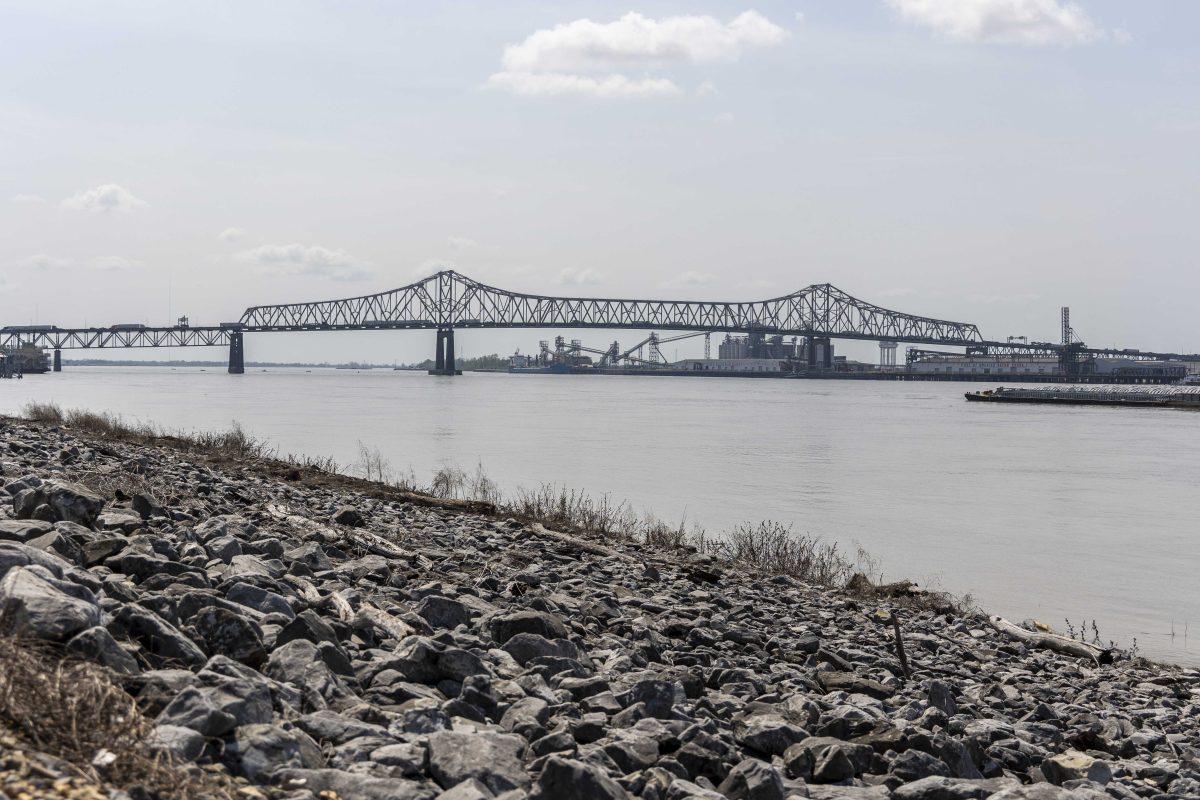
<point x="237" y="359"/>
<point x="443" y="359"/>
<point x="57" y="360"/>
<point x="822" y="359"/>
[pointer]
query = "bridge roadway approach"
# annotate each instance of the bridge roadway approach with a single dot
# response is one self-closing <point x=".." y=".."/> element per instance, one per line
<point x="446" y="301"/>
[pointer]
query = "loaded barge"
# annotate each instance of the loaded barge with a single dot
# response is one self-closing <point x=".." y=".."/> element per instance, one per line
<point x="1131" y="396"/>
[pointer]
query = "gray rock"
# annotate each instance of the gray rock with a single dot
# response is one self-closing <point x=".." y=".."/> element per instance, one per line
<point x="33" y="603"/>
<point x="156" y="636"/>
<point x="942" y="788"/>
<point x="347" y="515"/>
<point x="218" y="630"/>
<point x="567" y="779"/>
<point x="72" y="502"/>
<point x="443" y="612"/>
<point x="493" y="759"/>
<point x="470" y="789"/>
<point x="912" y="765"/>
<point x="257" y="751"/>
<point x="182" y="744"/>
<point x="752" y="779"/>
<point x="352" y="785"/>
<point x="97" y="644"/>
<point x="525" y="647"/>
<point x="196" y="709"/>
<point x="329" y="726"/>
<point x="22" y="530"/>
<point x="941" y="697"/>
<point x="767" y="734"/>
<point x="505" y="626"/>
<point x="259" y="599"/>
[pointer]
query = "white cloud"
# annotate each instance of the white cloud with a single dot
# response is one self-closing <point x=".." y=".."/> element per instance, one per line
<point x="635" y="40"/>
<point x="302" y="259"/>
<point x="707" y="89"/>
<point x="28" y="199"/>
<point x="591" y="58"/>
<point x="689" y="278"/>
<point x="231" y="234"/>
<point x="104" y="199"/>
<point x="1027" y="22"/>
<point x="572" y="276"/>
<point x="43" y="263"/>
<point x="558" y="83"/>
<point x="724" y="118"/>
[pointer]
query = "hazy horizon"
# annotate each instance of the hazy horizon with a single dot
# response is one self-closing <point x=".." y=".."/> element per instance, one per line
<point x="984" y="161"/>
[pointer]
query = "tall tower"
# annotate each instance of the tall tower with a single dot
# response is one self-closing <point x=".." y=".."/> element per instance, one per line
<point x="1066" y="325"/>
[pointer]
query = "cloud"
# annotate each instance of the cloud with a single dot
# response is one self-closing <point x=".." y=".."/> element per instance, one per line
<point x="104" y="199"/>
<point x="44" y="263"/>
<point x="306" y="260"/>
<point x="1026" y="22"/>
<point x="28" y="199"/>
<point x="572" y="276"/>
<point x="592" y="58"/>
<point x="724" y="118"/>
<point x="707" y="89"/>
<point x="689" y="278"/>
<point x="231" y="234"/>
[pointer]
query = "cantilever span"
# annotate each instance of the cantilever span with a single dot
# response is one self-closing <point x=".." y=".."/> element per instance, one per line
<point x="448" y="300"/>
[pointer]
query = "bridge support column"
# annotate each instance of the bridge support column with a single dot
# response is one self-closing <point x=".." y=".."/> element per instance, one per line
<point x="818" y="351"/>
<point x="237" y="359"/>
<point x="443" y="360"/>
<point x="57" y="360"/>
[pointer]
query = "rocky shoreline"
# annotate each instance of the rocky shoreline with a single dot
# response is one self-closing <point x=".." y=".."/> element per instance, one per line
<point x="308" y="639"/>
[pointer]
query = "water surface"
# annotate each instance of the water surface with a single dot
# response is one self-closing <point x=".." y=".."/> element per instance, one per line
<point x="1045" y="512"/>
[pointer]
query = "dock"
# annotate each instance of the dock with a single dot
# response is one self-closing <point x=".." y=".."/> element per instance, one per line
<point x="1120" y="396"/>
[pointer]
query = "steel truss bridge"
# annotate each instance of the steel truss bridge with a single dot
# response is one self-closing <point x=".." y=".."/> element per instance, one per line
<point x="446" y="301"/>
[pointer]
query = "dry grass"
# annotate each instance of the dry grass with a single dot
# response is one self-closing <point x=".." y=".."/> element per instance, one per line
<point x="233" y="443"/>
<point x="772" y="548"/>
<point x="74" y="711"/>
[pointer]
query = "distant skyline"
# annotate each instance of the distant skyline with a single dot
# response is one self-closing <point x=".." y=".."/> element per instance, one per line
<point x="985" y="161"/>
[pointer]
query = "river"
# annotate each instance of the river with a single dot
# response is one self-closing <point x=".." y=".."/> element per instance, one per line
<point x="1045" y="512"/>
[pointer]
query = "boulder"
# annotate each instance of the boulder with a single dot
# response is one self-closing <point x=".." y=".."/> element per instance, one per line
<point x="567" y="779"/>
<point x="33" y="603"/>
<point x="257" y="751"/>
<point x="97" y="644"/>
<point x="752" y="779"/>
<point x="491" y="758"/>
<point x="72" y="502"/>
<point x="505" y="626"/>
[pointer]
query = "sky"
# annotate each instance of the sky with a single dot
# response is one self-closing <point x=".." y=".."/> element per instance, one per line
<point x="986" y="161"/>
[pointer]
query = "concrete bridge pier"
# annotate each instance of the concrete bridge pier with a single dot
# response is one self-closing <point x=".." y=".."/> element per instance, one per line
<point x="443" y="360"/>
<point x="57" y="360"/>
<point x="824" y="358"/>
<point x="237" y="358"/>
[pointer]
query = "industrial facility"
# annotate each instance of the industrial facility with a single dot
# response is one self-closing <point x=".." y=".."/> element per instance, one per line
<point x="762" y="354"/>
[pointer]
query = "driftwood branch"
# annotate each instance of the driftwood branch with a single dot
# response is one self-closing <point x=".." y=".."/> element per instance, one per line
<point x="391" y="627"/>
<point x="1052" y="641"/>
<point x="900" y="647"/>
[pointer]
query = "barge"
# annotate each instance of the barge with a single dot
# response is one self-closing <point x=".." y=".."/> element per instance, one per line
<point x="1124" y="396"/>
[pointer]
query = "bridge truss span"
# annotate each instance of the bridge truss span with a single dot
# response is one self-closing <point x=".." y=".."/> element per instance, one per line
<point x="448" y="300"/>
